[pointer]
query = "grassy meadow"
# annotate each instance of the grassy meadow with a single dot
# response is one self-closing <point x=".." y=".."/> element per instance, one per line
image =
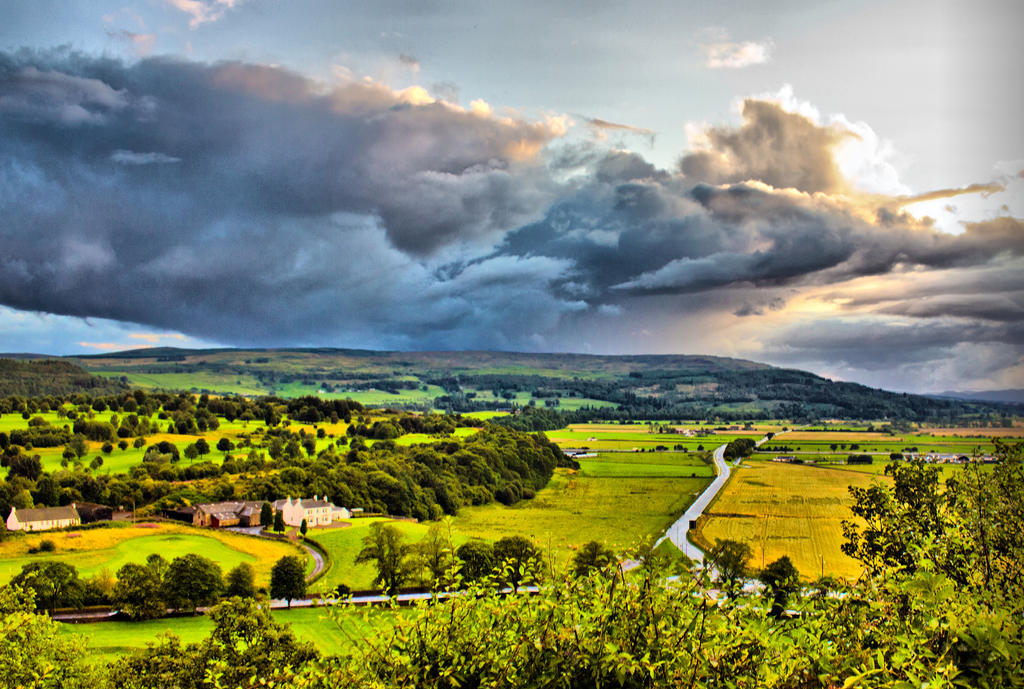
<point x="332" y="631"/>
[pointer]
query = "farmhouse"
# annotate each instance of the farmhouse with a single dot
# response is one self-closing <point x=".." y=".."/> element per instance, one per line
<point x="43" y="518"/>
<point x="316" y="512"/>
<point x="218" y="514"/>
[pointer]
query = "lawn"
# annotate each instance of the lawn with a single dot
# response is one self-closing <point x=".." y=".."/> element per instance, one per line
<point x="106" y="641"/>
<point x="92" y="550"/>
<point x="787" y="509"/>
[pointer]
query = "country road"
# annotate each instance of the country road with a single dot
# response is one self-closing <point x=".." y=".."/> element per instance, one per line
<point x="681" y="527"/>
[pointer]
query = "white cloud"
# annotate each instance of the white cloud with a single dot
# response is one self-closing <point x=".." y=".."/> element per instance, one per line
<point x="725" y="54"/>
<point x="123" y="157"/>
<point x="204" y="11"/>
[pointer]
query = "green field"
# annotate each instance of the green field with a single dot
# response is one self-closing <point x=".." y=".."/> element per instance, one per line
<point x="645" y="465"/>
<point x="93" y="550"/>
<point x="106" y="641"/>
<point x="576" y="508"/>
<point x="224" y="383"/>
<point x="345" y="543"/>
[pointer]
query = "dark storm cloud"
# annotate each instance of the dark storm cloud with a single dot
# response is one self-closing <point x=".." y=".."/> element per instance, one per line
<point x="875" y="345"/>
<point x="248" y="204"/>
<point x="1003" y="307"/>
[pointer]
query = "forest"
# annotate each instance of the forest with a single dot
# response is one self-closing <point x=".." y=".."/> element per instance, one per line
<point x="280" y="451"/>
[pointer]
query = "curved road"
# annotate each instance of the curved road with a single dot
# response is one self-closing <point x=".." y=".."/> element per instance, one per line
<point x="678" y="531"/>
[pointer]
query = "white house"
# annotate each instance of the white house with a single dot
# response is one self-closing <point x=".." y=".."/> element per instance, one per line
<point x="43" y="518"/>
<point x="316" y="512"/>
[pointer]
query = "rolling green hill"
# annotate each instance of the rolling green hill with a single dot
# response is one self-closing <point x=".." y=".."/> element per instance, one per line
<point x="609" y="387"/>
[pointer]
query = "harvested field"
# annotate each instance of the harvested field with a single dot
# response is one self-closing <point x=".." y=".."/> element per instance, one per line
<point x="787" y="509"/>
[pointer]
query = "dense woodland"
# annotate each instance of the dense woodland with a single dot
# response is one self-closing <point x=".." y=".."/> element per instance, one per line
<point x="278" y="457"/>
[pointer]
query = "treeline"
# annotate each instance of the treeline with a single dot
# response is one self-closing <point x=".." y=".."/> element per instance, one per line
<point x="363" y="468"/>
<point x="38" y="377"/>
<point x="422" y="481"/>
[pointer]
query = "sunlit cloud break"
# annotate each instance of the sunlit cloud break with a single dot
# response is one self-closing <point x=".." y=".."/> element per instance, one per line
<point x="725" y="54"/>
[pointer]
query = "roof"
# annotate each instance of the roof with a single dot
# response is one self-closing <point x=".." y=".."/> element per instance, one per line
<point x="219" y="509"/>
<point x="306" y="503"/>
<point x="45" y="514"/>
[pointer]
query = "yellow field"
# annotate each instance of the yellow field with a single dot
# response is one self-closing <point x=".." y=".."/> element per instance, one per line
<point x="787" y="509"/>
<point x="836" y="436"/>
<point x="966" y="432"/>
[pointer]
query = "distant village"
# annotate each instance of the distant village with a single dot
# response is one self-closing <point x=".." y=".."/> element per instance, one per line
<point x="315" y="512"/>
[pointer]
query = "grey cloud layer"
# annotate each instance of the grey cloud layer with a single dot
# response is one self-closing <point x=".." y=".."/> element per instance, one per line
<point x="248" y="204"/>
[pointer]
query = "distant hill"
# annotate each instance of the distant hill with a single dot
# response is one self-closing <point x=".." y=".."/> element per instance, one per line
<point x="34" y="377"/>
<point x="1010" y="396"/>
<point x="609" y="387"/>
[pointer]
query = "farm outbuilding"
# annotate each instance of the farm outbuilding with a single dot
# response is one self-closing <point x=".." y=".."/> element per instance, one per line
<point x="43" y="518"/>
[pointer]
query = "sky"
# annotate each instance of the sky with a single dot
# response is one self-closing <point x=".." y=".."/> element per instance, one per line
<point x="835" y="187"/>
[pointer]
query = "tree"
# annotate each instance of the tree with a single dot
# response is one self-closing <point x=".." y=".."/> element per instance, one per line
<point x="225" y="445"/>
<point x="781" y="580"/>
<point x="476" y="559"/>
<point x="288" y="579"/>
<point x="191" y="451"/>
<point x="247" y="642"/>
<point x="518" y="560"/>
<point x="730" y="559"/>
<point x="192" y="581"/>
<point x="245" y="647"/>
<point x="241" y="582"/>
<point x="279" y="521"/>
<point x="590" y="557"/>
<point x="266" y="515"/>
<point x="137" y="592"/>
<point x="29" y="466"/>
<point x="435" y="553"/>
<point x="53" y="583"/>
<point x="303" y="527"/>
<point x="384" y="546"/>
<point x="77" y="445"/>
<point x="895" y="518"/>
<point x="202" y="447"/>
<point x="33" y="650"/>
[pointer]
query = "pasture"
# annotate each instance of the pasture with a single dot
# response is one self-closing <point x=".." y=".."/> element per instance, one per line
<point x="107" y="641"/>
<point x="108" y="548"/>
<point x="344" y="544"/>
<point x="645" y="465"/>
<point x="787" y="509"/>
<point x="638" y="437"/>
<point x="575" y="508"/>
